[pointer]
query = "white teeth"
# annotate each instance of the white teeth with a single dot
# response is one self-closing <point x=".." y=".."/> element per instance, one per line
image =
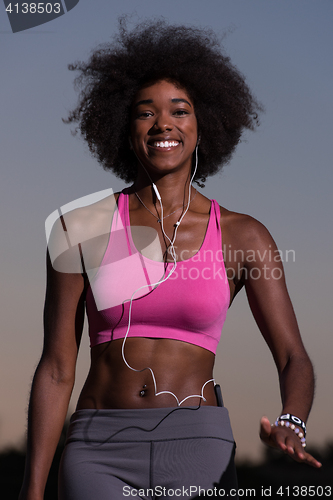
<point x="165" y="144"/>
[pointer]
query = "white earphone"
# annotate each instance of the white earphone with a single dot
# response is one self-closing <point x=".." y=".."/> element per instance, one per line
<point x="158" y="196"/>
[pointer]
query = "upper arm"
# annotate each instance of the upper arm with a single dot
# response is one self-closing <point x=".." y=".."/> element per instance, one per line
<point x="63" y="320"/>
<point x="76" y="244"/>
<point x="269" y="298"/>
<point x="263" y="276"/>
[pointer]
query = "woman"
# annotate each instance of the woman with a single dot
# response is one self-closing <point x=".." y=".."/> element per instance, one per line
<point x="161" y="107"/>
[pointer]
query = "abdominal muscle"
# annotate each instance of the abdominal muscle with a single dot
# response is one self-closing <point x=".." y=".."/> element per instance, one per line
<point x="178" y="367"/>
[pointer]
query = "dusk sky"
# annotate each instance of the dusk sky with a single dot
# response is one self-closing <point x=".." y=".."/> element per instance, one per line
<point x="281" y="174"/>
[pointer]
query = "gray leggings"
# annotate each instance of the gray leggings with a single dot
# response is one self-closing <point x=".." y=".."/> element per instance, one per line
<point x="148" y="454"/>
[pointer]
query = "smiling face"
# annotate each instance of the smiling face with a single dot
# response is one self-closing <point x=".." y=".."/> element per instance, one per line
<point x="164" y="128"/>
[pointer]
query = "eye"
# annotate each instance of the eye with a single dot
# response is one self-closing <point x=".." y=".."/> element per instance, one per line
<point x="145" y="114"/>
<point x="181" y="112"/>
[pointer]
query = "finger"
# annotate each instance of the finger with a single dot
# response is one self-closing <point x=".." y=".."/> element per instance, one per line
<point x="296" y="452"/>
<point x="294" y="446"/>
<point x="280" y="441"/>
<point x="302" y="456"/>
<point x="265" y="429"/>
<point x="291" y="446"/>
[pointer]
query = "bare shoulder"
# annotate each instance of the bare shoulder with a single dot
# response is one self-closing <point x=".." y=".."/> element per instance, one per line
<point x="89" y="221"/>
<point x="73" y="229"/>
<point x="244" y="231"/>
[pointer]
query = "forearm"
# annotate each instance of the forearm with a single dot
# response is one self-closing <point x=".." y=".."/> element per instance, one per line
<point x="297" y="386"/>
<point x="48" y="407"/>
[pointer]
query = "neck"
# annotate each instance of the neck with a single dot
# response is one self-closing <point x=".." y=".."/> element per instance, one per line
<point x="173" y="190"/>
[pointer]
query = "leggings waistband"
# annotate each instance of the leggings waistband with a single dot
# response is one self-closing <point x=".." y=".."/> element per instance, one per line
<point x="149" y="424"/>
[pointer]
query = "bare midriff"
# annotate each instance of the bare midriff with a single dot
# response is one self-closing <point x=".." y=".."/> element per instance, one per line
<point x="178" y="367"/>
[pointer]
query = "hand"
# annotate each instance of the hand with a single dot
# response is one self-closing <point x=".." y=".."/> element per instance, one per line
<point x="286" y="440"/>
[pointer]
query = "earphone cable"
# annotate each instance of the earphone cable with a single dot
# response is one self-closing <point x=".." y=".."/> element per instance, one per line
<point x="174" y="256"/>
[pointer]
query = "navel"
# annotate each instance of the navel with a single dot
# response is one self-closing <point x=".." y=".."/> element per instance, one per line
<point x="143" y="391"/>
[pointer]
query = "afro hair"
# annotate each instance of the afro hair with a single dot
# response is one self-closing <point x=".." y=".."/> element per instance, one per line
<point x="153" y="51"/>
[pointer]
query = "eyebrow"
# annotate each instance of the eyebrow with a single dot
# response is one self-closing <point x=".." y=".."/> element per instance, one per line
<point x="181" y="100"/>
<point x="150" y="101"/>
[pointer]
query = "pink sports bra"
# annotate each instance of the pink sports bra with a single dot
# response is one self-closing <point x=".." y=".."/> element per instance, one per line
<point x="191" y="305"/>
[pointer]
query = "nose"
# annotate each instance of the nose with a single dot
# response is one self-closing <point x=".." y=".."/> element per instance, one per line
<point x="163" y="123"/>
